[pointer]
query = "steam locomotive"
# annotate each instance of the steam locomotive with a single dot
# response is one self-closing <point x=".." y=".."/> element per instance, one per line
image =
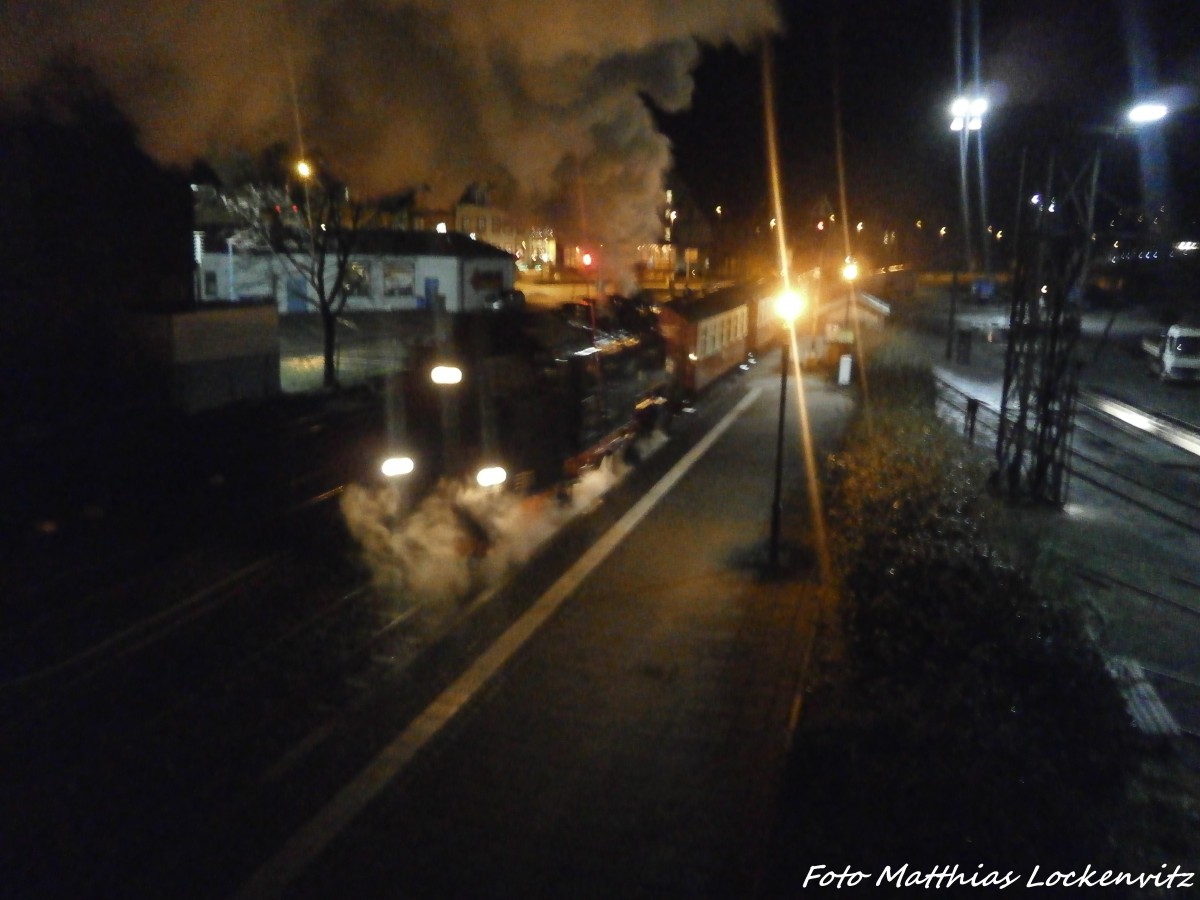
<point x="535" y="397"/>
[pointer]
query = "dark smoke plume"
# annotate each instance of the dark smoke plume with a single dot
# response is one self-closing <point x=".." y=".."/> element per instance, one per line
<point x="540" y="99"/>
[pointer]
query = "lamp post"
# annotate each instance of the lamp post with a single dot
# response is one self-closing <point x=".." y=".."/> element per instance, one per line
<point x="788" y="306"/>
<point x="966" y="116"/>
<point x="305" y="171"/>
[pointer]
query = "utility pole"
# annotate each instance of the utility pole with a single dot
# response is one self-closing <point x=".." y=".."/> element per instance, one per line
<point x="1037" y="403"/>
<point x="963" y="139"/>
<point x="985" y="245"/>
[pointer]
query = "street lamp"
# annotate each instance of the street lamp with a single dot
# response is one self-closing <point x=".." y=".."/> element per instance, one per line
<point x="1146" y="113"/>
<point x="395" y="466"/>
<point x="788" y="306"/>
<point x="967" y="112"/>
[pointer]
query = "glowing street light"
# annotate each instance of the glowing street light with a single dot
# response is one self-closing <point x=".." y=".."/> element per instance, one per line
<point x="850" y="270"/>
<point x="967" y="112"/>
<point x="788" y="306"/>
<point x="1146" y="113"/>
<point x="304" y="170"/>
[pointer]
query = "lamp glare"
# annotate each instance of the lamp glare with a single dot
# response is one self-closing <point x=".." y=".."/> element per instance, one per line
<point x="395" y="466"/>
<point x="1144" y="113"/>
<point x="789" y="305"/>
<point x="491" y="476"/>
<point x="445" y="375"/>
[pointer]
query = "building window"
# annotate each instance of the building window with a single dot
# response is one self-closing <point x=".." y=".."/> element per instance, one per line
<point x="210" y="284"/>
<point x="482" y="229"/>
<point x="399" y="280"/>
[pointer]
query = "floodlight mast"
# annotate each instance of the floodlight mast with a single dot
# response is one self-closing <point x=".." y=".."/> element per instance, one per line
<point x="1053" y="257"/>
<point x="1147" y="113"/>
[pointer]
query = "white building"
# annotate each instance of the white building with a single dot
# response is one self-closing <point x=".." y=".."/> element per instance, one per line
<point x="389" y="270"/>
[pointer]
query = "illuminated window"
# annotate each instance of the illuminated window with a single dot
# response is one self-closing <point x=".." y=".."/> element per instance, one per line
<point x="398" y="280"/>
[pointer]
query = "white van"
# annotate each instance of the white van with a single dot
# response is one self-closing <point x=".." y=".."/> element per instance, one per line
<point x="1175" y="354"/>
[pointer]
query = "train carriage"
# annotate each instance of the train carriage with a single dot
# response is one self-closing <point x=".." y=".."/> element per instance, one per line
<point x="711" y="334"/>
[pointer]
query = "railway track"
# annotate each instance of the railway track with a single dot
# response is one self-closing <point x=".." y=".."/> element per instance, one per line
<point x="251" y="692"/>
<point x="223" y="692"/>
<point x="1148" y="467"/>
<point x="1130" y="535"/>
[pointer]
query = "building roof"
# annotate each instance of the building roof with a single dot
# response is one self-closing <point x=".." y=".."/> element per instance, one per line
<point x="697" y="307"/>
<point x="427" y="243"/>
<point x="395" y="242"/>
<point x="861" y="298"/>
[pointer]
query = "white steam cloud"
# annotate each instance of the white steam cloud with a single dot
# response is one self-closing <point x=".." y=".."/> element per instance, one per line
<point x="461" y="540"/>
<point x="539" y="98"/>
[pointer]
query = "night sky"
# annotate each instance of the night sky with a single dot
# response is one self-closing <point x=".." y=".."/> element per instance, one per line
<point x="572" y="111"/>
<point x="1048" y="66"/>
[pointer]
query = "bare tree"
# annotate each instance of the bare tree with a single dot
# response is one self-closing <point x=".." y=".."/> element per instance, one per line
<point x="309" y="221"/>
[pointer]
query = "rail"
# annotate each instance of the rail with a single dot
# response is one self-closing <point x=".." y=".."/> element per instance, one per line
<point x="1130" y="438"/>
<point x="979" y="416"/>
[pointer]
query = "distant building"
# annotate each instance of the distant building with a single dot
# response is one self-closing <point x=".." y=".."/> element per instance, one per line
<point x="685" y="245"/>
<point x="389" y="270"/>
<point x="476" y="217"/>
<point x="533" y="247"/>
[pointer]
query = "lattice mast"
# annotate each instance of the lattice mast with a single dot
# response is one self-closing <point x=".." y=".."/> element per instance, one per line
<point x="1037" y="403"/>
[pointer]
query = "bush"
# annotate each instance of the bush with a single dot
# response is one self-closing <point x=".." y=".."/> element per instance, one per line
<point x="976" y="711"/>
<point x="898" y="375"/>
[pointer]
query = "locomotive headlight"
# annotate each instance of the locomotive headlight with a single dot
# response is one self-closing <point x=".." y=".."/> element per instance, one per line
<point x="491" y="476"/>
<point x="395" y="466"/>
<point x="445" y="375"/>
